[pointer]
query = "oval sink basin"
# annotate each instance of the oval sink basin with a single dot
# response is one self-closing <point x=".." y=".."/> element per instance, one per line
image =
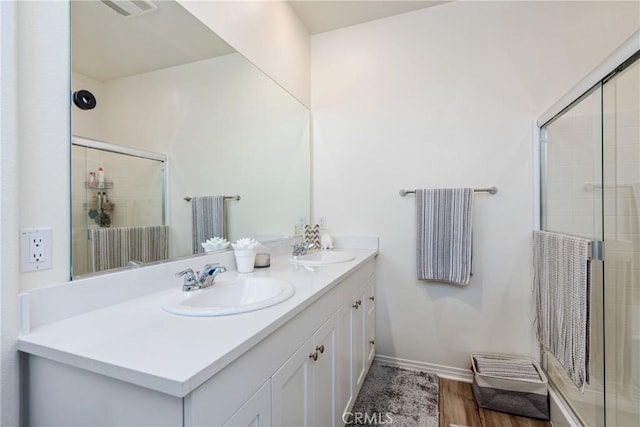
<point x="233" y="297"/>
<point x="323" y="258"/>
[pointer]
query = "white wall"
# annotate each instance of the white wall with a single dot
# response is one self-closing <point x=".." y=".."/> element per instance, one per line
<point x="8" y="217"/>
<point x="34" y="156"/>
<point x="266" y="32"/>
<point x="34" y="161"/>
<point x="446" y="97"/>
<point x="43" y="120"/>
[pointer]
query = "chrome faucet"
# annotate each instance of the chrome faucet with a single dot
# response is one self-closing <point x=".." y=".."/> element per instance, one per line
<point x="209" y="273"/>
<point x="302" y="249"/>
<point x="200" y="281"/>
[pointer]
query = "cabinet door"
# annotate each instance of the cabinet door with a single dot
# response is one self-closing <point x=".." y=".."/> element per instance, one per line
<point x="344" y="356"/>
<point x="324" y="375"/>
<point x="256" y="412"/>
<point x="358" y="366"/>
<point x="370" y="321"/>
<point x="291" y="389"/>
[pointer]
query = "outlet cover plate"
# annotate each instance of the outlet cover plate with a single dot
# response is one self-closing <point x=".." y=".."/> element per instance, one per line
<point x="322" y="222"/>
<point x="35" y="249"/>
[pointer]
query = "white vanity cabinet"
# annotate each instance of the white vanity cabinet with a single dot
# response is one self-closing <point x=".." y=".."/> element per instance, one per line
<point x="57" y="394"/>
<point x="313" y="384"/>
<point x="324" y="375"/>
<point x="370" y="321"/>
<point x="356" y="324"/>
<point x="303" y="389"/>
<point x="307" y="372"/>
<point x="256" y="412"/>
<point x="358" y="328"/>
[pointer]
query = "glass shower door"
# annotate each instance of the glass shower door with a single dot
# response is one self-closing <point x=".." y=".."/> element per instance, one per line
<point x="132" y="194"/>
<point x="621" y="127"/>
<point x="572" y="204"/>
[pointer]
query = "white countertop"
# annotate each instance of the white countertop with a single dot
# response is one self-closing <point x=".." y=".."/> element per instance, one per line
<point x="138" y="342"/>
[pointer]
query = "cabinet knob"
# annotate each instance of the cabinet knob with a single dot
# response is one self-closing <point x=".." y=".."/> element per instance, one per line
<point x="314" y="355"/>
<point x="372" y="298"/>
<point x="357" y="304"/>
<point x="372" y="342"/>
<point x="320" y="348"/>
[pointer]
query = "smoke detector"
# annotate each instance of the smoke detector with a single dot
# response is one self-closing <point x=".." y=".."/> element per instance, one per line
<point x="130" y="8"/>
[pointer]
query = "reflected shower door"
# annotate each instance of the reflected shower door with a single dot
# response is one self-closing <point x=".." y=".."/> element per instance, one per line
<point x="572" y="204"/>
<point x="621" y="125"/>
<point x="131" y="195"/>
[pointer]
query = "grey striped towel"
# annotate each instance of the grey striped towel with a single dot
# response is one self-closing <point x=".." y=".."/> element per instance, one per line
<point x="115" y="247"/>
<point x="561" y="286"/>
<point x="506" y="367"/>
<point x="208" y="220"/>
<point x="444" y="234"/>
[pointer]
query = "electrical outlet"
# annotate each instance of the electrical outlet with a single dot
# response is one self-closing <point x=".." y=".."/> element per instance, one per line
<point x="322" y="222"/>
<point x="35" y="249"/>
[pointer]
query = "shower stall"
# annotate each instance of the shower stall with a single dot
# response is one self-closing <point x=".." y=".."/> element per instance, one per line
<point x="590" y="187"/>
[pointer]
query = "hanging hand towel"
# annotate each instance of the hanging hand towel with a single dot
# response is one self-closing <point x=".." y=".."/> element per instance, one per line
<point x="561" y="285"/>
<point x="208" y="220"/>
<point x="444" y="234"/>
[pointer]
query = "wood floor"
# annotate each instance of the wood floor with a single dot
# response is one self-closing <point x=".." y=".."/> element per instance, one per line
<point x="458" y="406"/>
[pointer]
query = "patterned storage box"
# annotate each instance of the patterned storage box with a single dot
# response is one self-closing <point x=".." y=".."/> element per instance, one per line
<point x="511" y="384"/>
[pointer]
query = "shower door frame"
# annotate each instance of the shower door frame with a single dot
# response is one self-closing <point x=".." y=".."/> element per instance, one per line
<point x="625" y="56"/>
<point x="588" y="105"/>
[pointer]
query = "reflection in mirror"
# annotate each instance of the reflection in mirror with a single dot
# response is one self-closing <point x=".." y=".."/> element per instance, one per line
<point x="118" y="197"/>
<point x="164" y="83"/>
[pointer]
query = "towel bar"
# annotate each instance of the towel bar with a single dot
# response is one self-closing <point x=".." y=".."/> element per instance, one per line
<point x="490" y="190"/>
<point x="236" y="197"/>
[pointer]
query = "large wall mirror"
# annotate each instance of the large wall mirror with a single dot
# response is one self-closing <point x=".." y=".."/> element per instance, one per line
<point x="208" y="122"/>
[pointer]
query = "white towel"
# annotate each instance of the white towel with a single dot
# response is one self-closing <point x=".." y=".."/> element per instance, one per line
<point x="115" y="247"/>
<point x="444" y="234"/>
<point x="562" y="289"/>
<point x="208" y="220"/>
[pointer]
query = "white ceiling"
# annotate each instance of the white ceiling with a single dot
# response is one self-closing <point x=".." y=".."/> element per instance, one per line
<point x="107" y="46"/>
<point x="326" y="15"/>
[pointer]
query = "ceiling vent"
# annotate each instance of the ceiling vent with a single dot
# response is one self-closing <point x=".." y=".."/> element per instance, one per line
<point x="130" y="8"/>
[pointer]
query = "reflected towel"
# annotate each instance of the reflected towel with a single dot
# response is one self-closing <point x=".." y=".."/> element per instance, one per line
<point x="444" y="234"/>
<point x="562" y="289"/>
<point x="208" y="220"/>
<point x="115" y="247"/>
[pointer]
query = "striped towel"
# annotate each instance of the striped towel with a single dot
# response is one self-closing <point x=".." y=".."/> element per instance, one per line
<point x="115" y="247"/>
<point x="444" y="234"/>
<point x="208" y="220"/>
<point x="562" y="288"/>
<point x="506" y="367"/>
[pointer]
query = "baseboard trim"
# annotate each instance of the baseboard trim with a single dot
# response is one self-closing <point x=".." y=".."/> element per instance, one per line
<point x="449" y="372"/>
